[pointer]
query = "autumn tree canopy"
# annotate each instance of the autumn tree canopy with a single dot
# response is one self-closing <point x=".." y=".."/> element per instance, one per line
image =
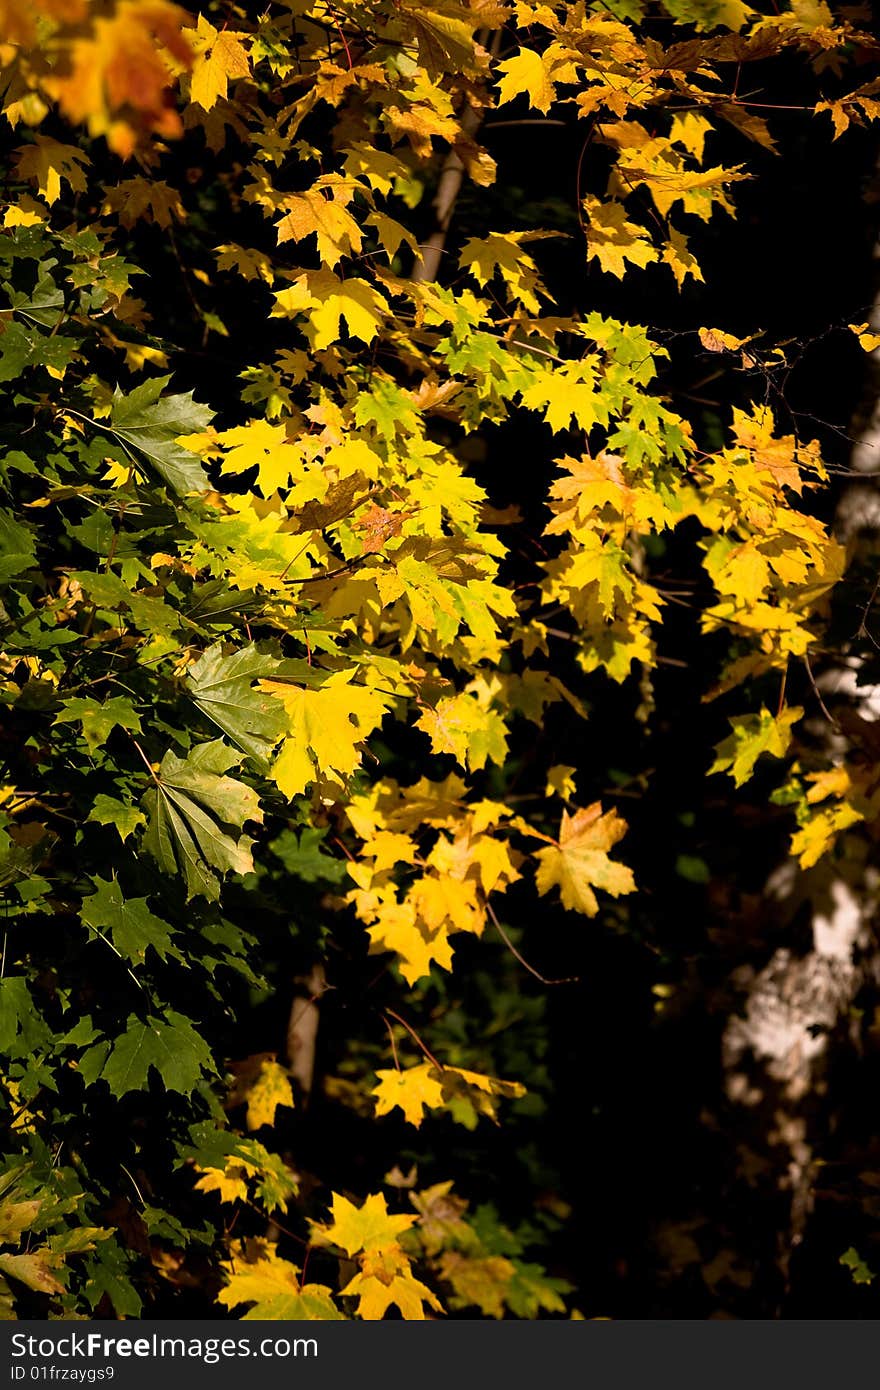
<point x="343" y="539"/>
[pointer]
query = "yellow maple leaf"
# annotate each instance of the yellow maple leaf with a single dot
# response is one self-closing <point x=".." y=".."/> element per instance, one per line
<point x="386" y="1281"/>
<point x="715" y="340"/>
<point x="369" y="1227"/>
<point x="444" y="35"/>
<point x="560" y="781"/>
<point x="478" y="1091"/>
<point x="380" y="169"/>
<point x="580" y="861"/>
<point x="392" y="234"/>
<point x="571" y="391"/>
<point x="27" y="212"/>
<point x="840" y="114"/>
<point x="680" y="260"/>
<point x="478" y="1280"/>
<point x="817" y="836"/>
<point x="326" y="217"/>
<point x="256" y="1274"/>
<point x="219" y="57"/>
<point x="587" y="485"/>
<point x="753" y="735"/>
<point x="698" y="190"/>
<point x="740" y="570"/>
<point x="690" y="129"/>
<point x="467" y="728"/>
<point x="327" y="301"/>
<point x="867" y="339"/>
<point x="526" y="74"/>
<point x="442" y="901"/>
<point x="782" y="457"/>
<point x="613" y="240"/>
<point x="397" y="928"/>
<point x="503" y="254"/>
<point x="353" y="456"/>
<point x="413" y="1090"/>
<point x="325" y="727"/>
<point x="246" y="262"/>
<point x="835" y="781"/>
<point x="47" y="162"/>
<point x="269" y="1089"/>
<point x="420" y="122"/>
<point x="229" y="1182"/>
<point x="387" y="848"/>
<point x="260" y="444"/>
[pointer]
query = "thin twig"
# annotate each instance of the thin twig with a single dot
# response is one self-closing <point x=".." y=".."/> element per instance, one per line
<point x="134" y="1184"/>
<point x="781" y="703"/>
<point x="818" y="694"/>
<point x="147" y="763"/>
<point x="416" y="1039"/>
<point x="393" y="1045"/>
<point x="564" y="980"/>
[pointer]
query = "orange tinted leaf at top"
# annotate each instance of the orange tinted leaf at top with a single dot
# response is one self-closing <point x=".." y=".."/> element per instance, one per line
<point x="120" y="76"/>
<point x="580" y="862"/>
<point x="18" y="19"/>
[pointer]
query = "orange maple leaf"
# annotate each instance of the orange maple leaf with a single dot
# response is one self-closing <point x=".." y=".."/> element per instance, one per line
<point x="121" y="74"/>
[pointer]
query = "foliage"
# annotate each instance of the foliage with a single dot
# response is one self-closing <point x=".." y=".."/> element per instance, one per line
<point x="268" y="659"/>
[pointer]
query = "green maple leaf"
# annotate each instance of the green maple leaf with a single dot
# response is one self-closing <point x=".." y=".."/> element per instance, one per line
<point x="222" y="688"/>
<point x="170" y="1045"/>
<point x="107" y="810"/>
<point x="152" y="423"/>
<point x="17" y="548"/>
<point x="852" y="1260"/>
<point x="130" y="923"/>
<point x="304" y="857"/>
<point x="152" y="615"/>
<point x="22" y="347"/>
<point x="387" y="407"/>
<point x="44" y="304"/>
<point x="17" y="861"/>
<point x="98" y="720"/>
<point x="532" y="1289"/>
<point x="190" y="799"/>
<point x="752" y="736"/>
<point x="22" y="1028"/>
<point x="109" y="1275"/>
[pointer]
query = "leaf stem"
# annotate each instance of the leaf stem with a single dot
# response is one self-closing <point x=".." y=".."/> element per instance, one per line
<point x="563" y="980"/>
<point x="416" y="1039"/>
